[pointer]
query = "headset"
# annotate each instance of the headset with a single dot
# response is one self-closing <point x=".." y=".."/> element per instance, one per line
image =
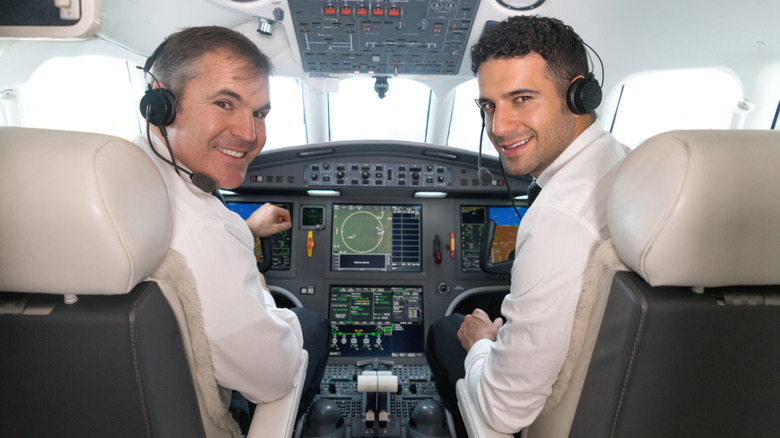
<point x="158" y="107"/>
<point x="484" y="174"/>
<point x="584" y="94"/>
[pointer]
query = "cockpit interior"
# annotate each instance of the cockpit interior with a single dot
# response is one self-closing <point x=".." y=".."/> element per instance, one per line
<point x="402" y="212"/>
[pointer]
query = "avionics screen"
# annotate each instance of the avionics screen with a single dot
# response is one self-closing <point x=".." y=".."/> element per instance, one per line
<point x="281" y="243"/>
<point x="383" y="238"/>
<point x="376" y="321"/>
<point x="472" y="223"/>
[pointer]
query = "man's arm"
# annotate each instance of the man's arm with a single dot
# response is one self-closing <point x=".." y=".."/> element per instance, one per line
<point x="255" y="347"/>
<point x="512" y="377"/>
<point x="269" y="220"/>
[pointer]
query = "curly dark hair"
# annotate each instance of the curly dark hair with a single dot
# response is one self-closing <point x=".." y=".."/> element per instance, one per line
<point x="554" y="41"/>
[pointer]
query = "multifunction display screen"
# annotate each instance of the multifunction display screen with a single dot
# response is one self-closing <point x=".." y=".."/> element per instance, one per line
<point x="376" y="321"/>
<point x="376" y="238"/>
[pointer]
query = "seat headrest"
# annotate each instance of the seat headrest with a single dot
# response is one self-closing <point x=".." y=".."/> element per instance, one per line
<point x="82" y="213"/>
<point x="700" y="208"/>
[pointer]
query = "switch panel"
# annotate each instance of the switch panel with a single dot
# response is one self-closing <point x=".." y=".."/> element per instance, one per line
<point x="339" y="174"/>
<point x="383" y="37"/>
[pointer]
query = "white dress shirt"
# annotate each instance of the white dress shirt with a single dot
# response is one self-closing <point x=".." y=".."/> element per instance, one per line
<point x="255" y="346"/>
<point x="512" y="377"/>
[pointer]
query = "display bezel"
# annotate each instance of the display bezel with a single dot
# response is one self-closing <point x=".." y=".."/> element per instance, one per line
<point x="400" y="252"/>
<point x="354" y="335"/>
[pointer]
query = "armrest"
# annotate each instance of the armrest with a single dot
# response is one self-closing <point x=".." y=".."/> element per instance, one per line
<point x="277" y="419"/>
<point x="475" y="425"/>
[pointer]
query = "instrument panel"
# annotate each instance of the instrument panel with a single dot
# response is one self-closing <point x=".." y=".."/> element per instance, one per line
<point x="386" y="238"/>
<point x="350" y="233"/>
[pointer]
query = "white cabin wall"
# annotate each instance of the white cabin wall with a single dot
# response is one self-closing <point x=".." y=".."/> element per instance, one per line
<point x="141" y="25"/>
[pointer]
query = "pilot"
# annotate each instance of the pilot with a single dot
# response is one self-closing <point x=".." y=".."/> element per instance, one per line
<point x="537" y="96"/>
<point x="206" y="106"/>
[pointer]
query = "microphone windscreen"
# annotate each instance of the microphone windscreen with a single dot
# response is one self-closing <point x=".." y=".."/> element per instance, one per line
<point x="203" y="182"/>
<point x="485" y="176"/>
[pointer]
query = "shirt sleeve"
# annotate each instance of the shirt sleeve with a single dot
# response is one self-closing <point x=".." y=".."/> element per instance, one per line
<point x="512" y="377"/>
<point x="255" y="347"/>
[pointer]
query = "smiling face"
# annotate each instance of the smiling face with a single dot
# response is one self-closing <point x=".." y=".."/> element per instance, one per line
<point x="525" y="115"/>
<point x="220" y="121"/>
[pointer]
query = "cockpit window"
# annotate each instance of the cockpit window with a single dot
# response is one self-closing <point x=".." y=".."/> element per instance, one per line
<point x="101" y="94"/>
<point x="357" y="113"/>
<point x="87" y="93"/>
<point x="466" y="124"/>
<point x="285" y="124"/>
<point x="656" y="102"/>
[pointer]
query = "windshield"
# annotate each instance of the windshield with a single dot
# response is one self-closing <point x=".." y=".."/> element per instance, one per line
<point x="356" y="111"/>
<point x="102" y="95"/>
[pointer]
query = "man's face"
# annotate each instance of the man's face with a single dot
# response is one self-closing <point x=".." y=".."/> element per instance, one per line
<point x="220" y="123"/>
<point x="526" y="118"/>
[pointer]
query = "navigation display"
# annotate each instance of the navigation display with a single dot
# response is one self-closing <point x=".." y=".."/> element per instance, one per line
<point x="384" y="238"/>
<point x="472" y="223"/>
<point x="376" y="321"/>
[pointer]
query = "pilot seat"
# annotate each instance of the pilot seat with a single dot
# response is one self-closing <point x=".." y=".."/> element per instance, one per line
<point x="681" y="308"/>
<point x="88" y="346"/>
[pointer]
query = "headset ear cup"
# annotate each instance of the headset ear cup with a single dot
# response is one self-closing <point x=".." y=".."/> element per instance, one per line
<point x="583" y="95"/>
<point x="158" y="106"/>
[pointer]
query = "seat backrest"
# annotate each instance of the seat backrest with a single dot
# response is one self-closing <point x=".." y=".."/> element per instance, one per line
<point x="88" y="348"/>
<point x="689" y="344"/>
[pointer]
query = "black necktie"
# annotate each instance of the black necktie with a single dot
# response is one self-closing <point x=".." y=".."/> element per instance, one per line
<point x="219" y="196"/>
<point x="533" y="192"/>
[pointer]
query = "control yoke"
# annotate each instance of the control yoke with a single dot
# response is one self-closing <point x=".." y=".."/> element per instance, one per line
<point x="265" y="250"/>
<point x="485" y="262"/>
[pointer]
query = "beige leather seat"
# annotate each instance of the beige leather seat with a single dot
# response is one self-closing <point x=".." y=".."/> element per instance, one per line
<point x="87" y="346"/>
<point x="689" y="343"/>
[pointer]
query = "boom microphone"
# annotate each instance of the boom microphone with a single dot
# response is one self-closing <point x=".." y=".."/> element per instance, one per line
<point x="200" y="180"/>
<point x="203" y="182"/>
<point x="484" y="174"/>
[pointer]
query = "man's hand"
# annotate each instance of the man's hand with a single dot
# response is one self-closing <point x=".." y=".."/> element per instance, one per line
<point x="268" y="220"/>
<point x="478" y="326"/>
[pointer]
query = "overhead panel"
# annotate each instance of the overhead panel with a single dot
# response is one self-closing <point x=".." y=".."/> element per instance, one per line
<point x="382" y="37"/>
